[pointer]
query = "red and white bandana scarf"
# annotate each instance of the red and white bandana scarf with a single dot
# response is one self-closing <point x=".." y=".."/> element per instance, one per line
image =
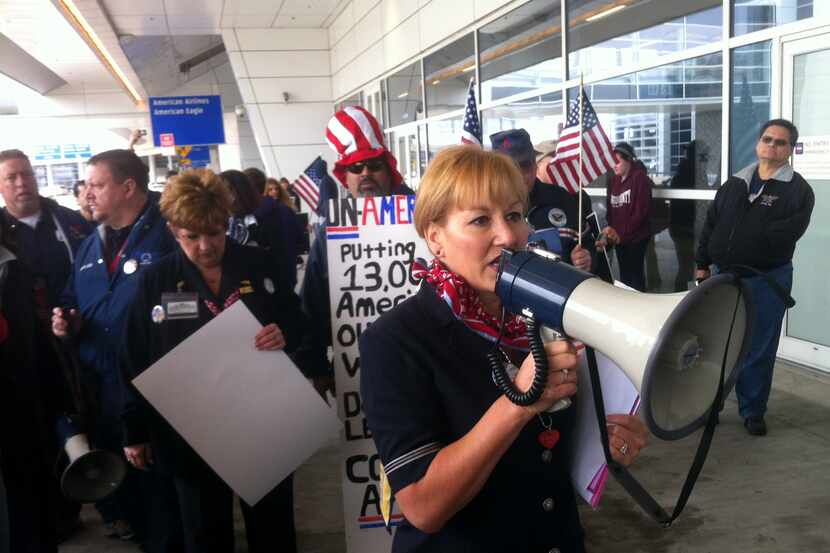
<point x="229" y="301"/>
<point x="466" y="305"/>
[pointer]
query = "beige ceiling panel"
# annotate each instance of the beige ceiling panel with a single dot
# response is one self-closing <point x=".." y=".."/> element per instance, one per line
<point x="133" y="7"/>
<point x="301" y="21"/>
<point x="282" y="39"/>
<point x="209" y="8"/>
<point x="309" y="7"/>
<point x="141" y="24"/>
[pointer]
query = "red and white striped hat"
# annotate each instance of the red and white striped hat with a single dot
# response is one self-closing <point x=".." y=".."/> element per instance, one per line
<point x="355" y="135"/>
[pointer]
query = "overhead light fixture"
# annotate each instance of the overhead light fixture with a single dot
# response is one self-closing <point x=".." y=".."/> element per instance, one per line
<point x="91" y="38"/>
<point x="468" y="69"/>
<point x="202" y="57"/>
<point x="403" y="94"/>
<point x="435" y="82"/>
<point x="605" y="13"/>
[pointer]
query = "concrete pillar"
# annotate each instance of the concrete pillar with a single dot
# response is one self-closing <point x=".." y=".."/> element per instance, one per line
<point x="284" y="77"/>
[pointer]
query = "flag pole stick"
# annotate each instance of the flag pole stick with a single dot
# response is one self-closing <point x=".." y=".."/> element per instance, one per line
<point x="581" y="139"/>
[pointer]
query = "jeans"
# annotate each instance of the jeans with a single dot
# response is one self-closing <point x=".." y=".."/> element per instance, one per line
<point x="755" y="377"/>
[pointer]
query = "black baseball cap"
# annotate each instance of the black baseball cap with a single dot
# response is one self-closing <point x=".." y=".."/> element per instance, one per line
<point x="515" y="143"/>
<point x="626" y="150"/>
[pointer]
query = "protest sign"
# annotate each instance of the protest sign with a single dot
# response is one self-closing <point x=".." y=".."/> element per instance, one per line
<point x="371" y="243"/>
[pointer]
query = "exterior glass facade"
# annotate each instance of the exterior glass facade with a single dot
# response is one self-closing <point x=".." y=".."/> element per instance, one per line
<point x="661" y="76"/>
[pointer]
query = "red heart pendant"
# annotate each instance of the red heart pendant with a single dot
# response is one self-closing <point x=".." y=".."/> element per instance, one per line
<point x="548" y="438"/>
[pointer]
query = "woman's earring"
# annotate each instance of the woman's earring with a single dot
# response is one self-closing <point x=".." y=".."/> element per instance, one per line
<point x="439" y="253"/>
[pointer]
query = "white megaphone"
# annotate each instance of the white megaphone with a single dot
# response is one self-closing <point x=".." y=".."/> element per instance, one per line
<point x="92" y="474"/>
<point x="671" y="346"/>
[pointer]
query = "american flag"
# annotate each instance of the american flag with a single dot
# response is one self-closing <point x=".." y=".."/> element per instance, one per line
<point x="597" y="155"/>
<point x="471" y="133"/>
<point x="307" y="185"/>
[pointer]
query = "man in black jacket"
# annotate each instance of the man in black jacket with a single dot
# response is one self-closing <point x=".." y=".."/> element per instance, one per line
<point x="29" y="395"/>
<point x="755" y="220"/>
<point x="45" y="236"/>
<point x="550" y="205"/>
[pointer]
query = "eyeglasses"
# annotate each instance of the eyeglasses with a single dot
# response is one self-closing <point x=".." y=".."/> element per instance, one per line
<point x="777" y="142"/>
<point x="374" y="164"/>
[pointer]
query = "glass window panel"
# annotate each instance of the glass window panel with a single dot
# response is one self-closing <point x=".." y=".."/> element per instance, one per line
<point x="750" y="101"/>
<point x="41" y="176"/>
<point x="521" y="51"/>
<point x="423" y="154"/>
<point x="751" y="15"/>
<point x="811" y="114"/>
<point x="354" y="100"/>
<point x="447" y="75"/>
<point x="670" y="258"/>
<point x="405" y="95"/>
<point x="540" y="116"/>
<point x="667" y="114"/>
<point x="603" y="38"/>
<point x="446" y="132"/>
<point x="65" y="174"/>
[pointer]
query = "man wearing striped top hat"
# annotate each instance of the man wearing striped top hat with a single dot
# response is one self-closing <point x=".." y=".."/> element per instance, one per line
<point x="365" y="168"/>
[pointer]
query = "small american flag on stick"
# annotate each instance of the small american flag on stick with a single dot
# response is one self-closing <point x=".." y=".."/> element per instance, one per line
<point x="471" y="132"/>
<point x="307" y="185"/>
<point x="597" y="155"/>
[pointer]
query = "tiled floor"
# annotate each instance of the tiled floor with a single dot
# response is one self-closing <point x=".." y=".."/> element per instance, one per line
<point x="757" y="495"/>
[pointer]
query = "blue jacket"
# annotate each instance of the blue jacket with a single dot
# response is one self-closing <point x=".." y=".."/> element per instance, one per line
<point x="104" y="300"/>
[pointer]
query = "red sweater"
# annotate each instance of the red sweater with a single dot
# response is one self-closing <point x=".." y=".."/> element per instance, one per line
<point x="628" y="202"/>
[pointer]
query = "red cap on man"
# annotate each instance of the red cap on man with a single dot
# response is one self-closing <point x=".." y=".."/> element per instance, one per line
<point x="356" y="136"/>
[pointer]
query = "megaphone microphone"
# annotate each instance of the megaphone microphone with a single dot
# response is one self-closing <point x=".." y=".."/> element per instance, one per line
<point x="92" y="474"/>
<point x="681" y="351"/>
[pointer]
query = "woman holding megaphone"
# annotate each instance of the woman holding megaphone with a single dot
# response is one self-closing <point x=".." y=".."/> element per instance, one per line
<point x="471" y="470"/>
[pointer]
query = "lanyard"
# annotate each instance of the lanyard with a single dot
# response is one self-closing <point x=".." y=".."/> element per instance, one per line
<point x="113" y="266"/>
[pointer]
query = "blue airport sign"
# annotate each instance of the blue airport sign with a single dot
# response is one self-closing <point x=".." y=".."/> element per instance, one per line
<point x="77" y="151"/>
<point x="193" y="157"/>
<point x="200" y="156"/>
<point x="47" y="151"/>
<point x="186" y="120"/>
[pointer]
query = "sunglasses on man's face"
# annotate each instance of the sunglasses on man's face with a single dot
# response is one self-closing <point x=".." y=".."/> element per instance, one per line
<point x="777" y="142"/>
<point x="375" y="164"/>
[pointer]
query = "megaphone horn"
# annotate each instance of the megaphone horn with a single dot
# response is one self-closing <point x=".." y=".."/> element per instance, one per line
<point x="671" y="346"/>
<point x="92" y="474"/>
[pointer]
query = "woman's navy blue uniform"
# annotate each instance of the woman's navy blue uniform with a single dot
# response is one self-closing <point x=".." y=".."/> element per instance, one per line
<point x="425" y="383"/>
<point x="205" y="500"/>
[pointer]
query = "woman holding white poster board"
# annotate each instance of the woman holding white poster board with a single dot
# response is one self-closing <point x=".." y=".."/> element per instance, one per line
<point x="470" y="470"/>
<point x="177" y="296"/>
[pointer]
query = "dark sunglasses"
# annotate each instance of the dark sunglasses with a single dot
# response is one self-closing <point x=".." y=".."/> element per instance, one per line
<point x="374" y="164"/>
<point x="778" y="142"/>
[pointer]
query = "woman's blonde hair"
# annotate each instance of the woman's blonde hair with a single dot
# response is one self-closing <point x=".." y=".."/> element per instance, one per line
<point x="465" y="177"/>
<point x="198" y="200"/>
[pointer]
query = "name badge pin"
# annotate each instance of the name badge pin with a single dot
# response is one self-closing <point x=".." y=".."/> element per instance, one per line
<point x="157" y="314"/>
<point x="130" y="266"/>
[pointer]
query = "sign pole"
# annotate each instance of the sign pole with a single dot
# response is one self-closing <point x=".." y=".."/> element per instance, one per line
<point x="581" y="139"/>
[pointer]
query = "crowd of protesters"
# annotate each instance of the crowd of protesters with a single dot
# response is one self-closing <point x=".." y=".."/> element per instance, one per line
<point x="80" y="317"/>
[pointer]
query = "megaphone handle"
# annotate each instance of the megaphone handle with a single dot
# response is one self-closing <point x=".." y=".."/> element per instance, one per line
<point x="540" y="378"/>
<point x="550" y="335"/>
